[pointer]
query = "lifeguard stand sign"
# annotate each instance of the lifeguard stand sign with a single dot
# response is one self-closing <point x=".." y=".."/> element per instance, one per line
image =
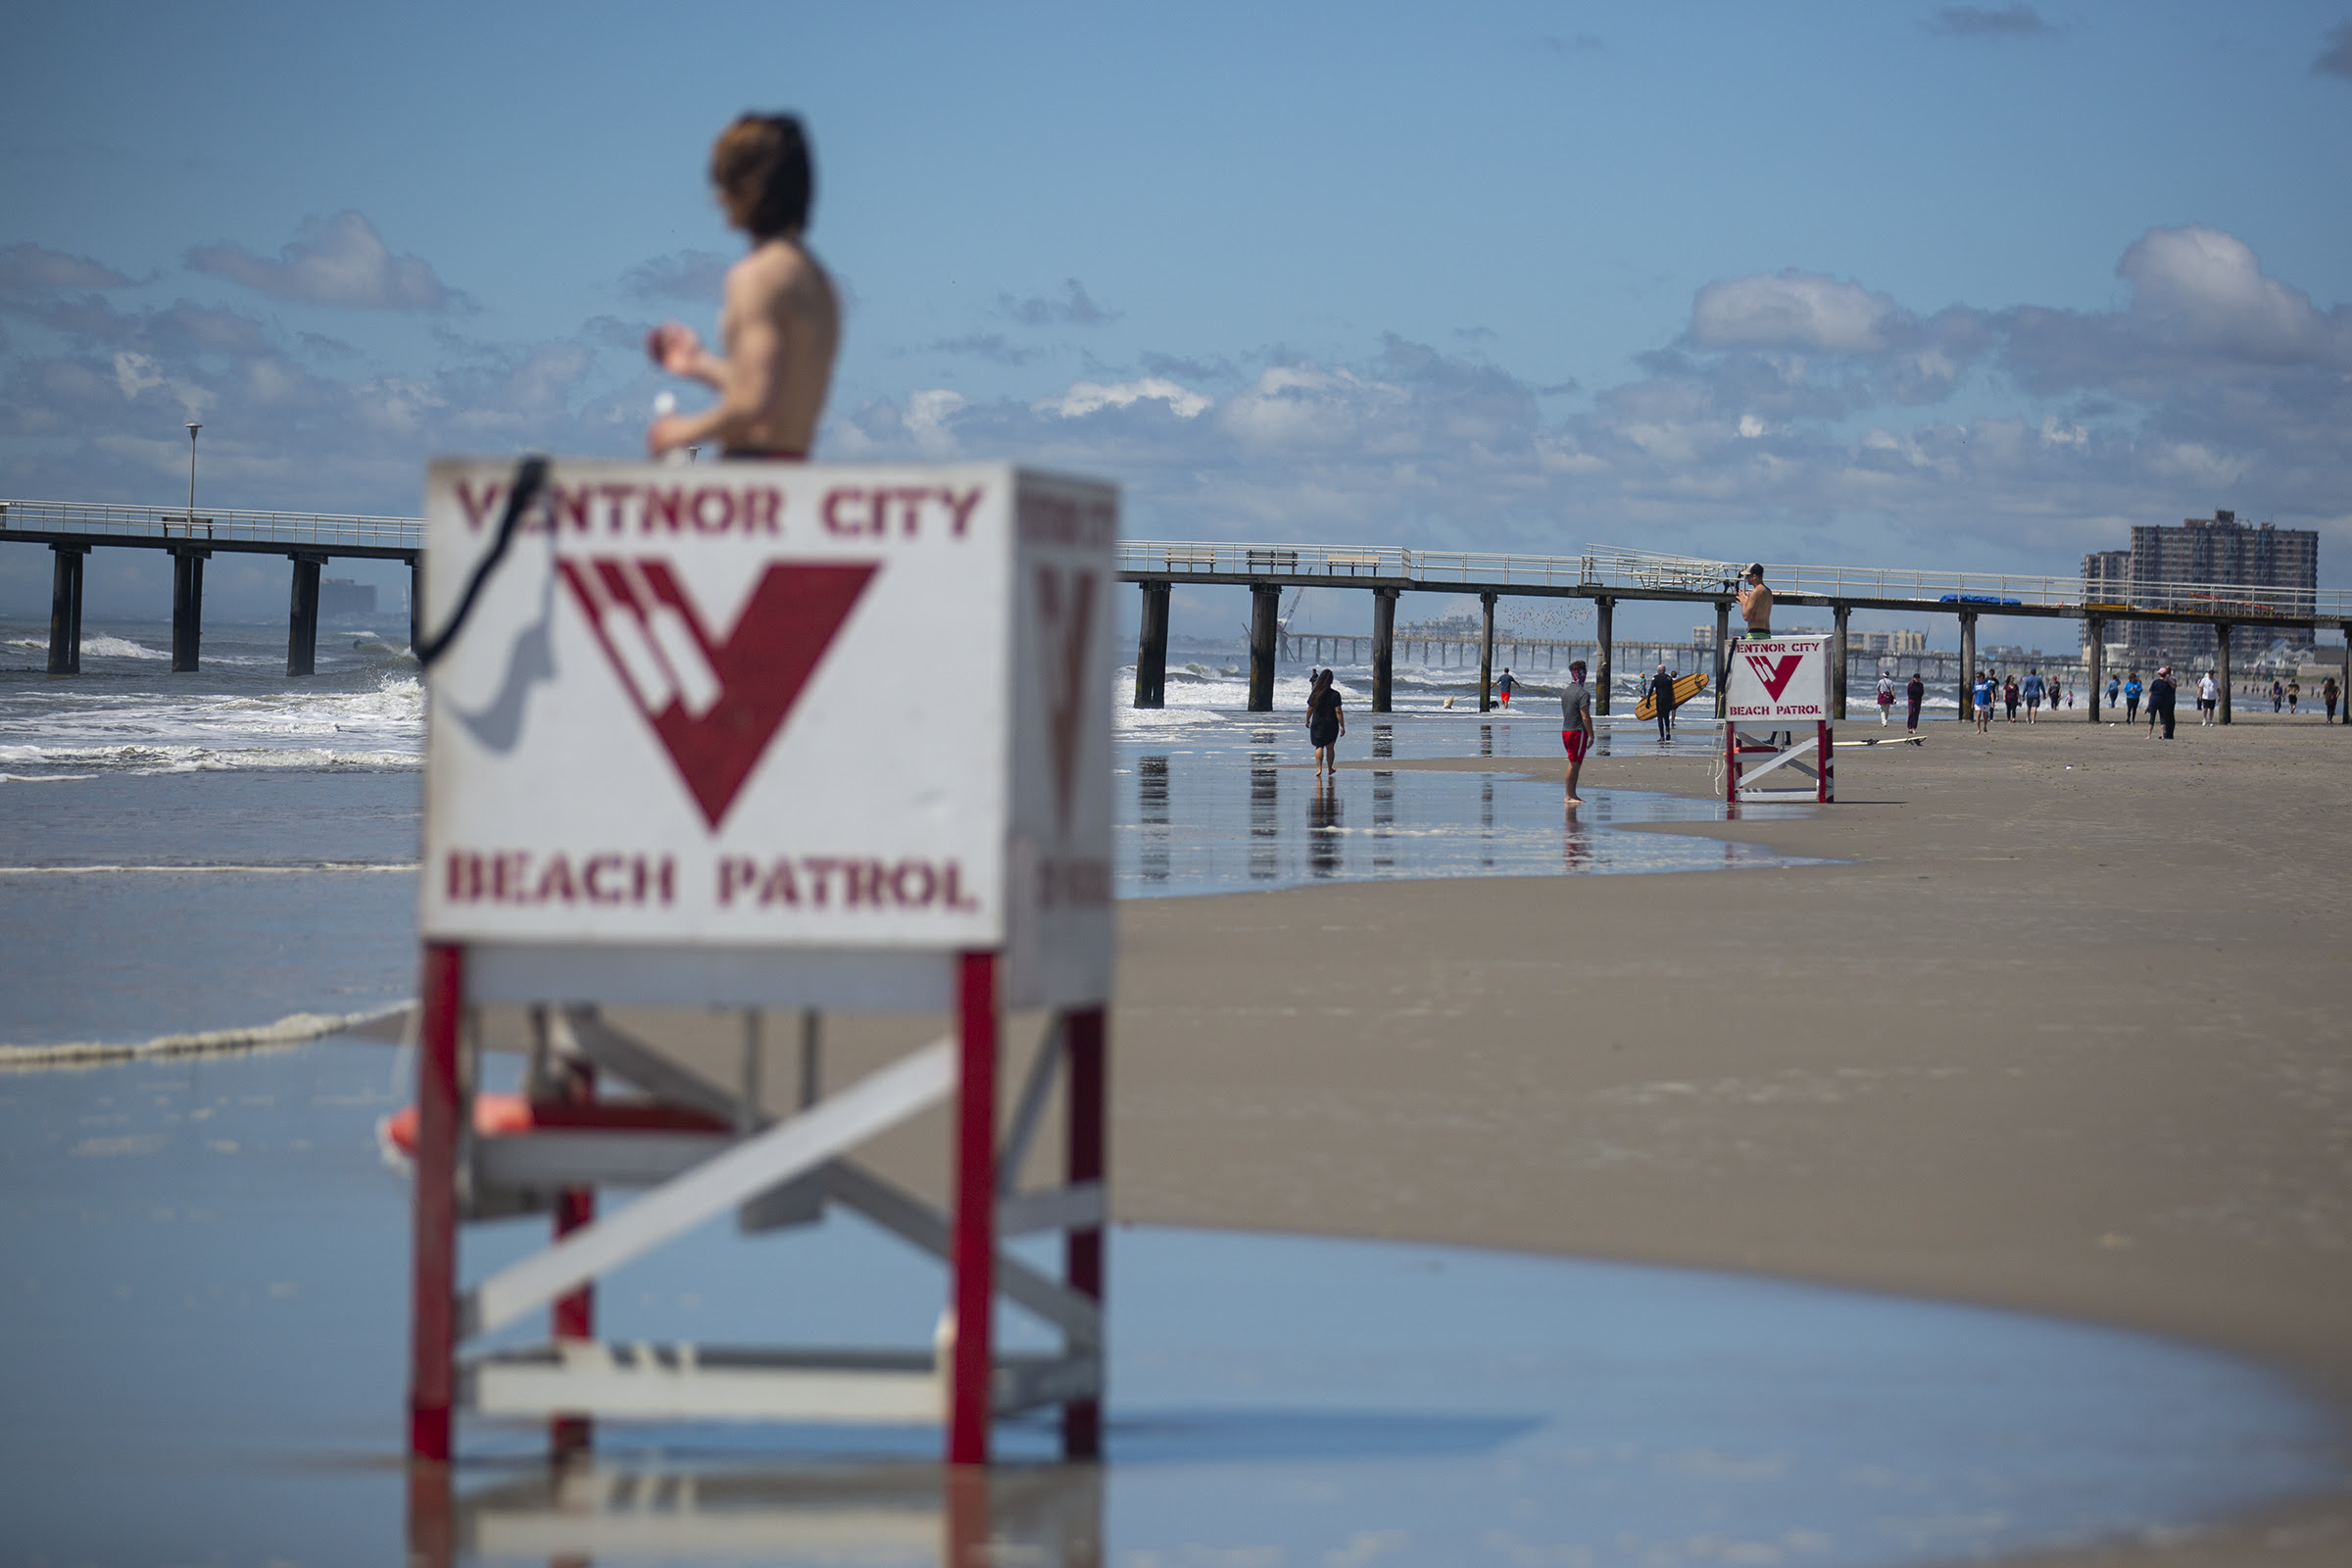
<point x="1776" y="689"/>
<point x="755" y="735"/>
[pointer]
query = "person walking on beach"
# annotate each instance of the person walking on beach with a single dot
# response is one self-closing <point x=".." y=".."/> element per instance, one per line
<point x="1576" y="725"/>
<point x="1755" y="602"/>
<point x="781" y="324"/>
<point x="1983" y="697"/>
<point x="1506" y="686"/>
<point x="2329" y="693"/>
<point x="1326" y="722"/>
<point x="2131" y="698"/>
<point x="1661" y="697"/>
<point x="2010" y="694"/>
<point x="2162" y="696"/>
<point x="1886" y="699"/>
<point x="1914" y="693"/>
<point x="2278" y="695"/>
<point x="2294" y="689"/>
<point x="2033" y="691"/>
<point x="2209" y="697"/>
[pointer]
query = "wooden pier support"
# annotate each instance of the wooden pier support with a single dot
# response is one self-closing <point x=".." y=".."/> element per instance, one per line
<point x="2094" y="659"/>
<point x="2221" y="669"/>
<point x="1839" y="614"/>
<point x="1152" y="649"/>
<point x="1265" y="614"/>
<point x="1383" y="647"/>
<point x="65" y="610"/>
<point x="1605" y="614"/>
<point x="1722" y="656"/>
<point x="187" y="606"/>
<point x="302" y="616"/>
<point x="1968" y="666"/>
<point x="1486" y="653"/>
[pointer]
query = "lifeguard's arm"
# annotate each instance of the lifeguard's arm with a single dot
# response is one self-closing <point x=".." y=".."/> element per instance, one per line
<point x="745" y="380"/>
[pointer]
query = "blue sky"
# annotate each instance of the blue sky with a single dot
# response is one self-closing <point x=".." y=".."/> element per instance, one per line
<point x="1944" y="287"/>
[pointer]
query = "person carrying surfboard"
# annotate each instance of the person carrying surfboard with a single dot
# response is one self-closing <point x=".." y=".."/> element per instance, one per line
<point x="1661" y="690"/>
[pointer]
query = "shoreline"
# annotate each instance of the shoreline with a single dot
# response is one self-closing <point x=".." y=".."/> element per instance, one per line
<point x="2108" y="1081"/>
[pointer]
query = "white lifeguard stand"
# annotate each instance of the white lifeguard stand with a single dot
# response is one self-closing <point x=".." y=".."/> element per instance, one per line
<point x="751" y="735"/>
<point x="1777" y="690"/>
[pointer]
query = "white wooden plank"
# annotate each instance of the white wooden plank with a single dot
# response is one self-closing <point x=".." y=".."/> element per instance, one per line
<point x="752" y="1166"/>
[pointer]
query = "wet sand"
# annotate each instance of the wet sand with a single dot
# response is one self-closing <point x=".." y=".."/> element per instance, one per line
<point x="2065" y="1033"/>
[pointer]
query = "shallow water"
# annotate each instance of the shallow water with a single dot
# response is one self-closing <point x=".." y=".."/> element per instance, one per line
<point x="258" y="830"/>
<point x="211" y="1262"/>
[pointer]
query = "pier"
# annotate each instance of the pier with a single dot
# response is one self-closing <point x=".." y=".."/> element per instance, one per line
<point x="72" y="529"/>
<point x="1607" y="575"/>
<point x="1603" y="575"/>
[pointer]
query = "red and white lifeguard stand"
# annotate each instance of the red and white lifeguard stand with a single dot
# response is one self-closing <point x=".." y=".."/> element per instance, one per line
<point x="758" y="736"/>
<point x="1776" y="720"/>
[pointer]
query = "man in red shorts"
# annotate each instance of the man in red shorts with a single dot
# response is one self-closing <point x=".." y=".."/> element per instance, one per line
<point x="1576" y="724"/>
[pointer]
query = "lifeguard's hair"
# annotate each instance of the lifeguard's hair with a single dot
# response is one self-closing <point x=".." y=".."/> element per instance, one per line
<point x="761" y="167"/>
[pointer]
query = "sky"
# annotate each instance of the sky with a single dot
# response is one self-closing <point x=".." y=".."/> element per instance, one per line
<point x="1919" y="285"/>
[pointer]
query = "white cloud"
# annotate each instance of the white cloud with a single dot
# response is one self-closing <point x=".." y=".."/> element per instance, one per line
<point x="2206" y="290"/>
<point x="134" y="373"/>
<point x="1088" y="397"/>
<point x="1793" y="310"/>
<point x="339" y="260"/>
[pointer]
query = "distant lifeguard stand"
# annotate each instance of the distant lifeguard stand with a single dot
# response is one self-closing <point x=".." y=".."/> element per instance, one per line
<point x="1777" y="691"/>
<point x="667" y="765"/>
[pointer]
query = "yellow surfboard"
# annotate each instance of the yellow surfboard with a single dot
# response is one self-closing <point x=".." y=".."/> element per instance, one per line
<point x="1687" y="687"/>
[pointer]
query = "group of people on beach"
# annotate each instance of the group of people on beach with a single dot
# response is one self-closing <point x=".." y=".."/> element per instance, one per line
<point x="1992" y="691"/>
<point x="1327" y="721"/>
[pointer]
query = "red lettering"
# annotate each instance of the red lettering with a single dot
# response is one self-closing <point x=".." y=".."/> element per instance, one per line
<point x="929" y="884"/>
<point x="702" y="519"/>
<point x="735" y="873"/>
<point x="832" y="515"/>
<point x="570" y="504"/>
<point x="959" y="508"/>
<point x="479" y="507"/>
<point x="760" y="510"/>
<point x="818" y="868"/>
<point x="662" y="506"/>
<point x="617" y="503"/>
<point x="595" y="878"/>
<point x="781" y="885"/>
<point x="953" y="889"/>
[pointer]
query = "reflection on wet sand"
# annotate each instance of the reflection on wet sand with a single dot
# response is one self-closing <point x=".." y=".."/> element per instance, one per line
<point x="1264" y="863"/>
<point x="1151" y="799"/>
<point x="1326" y="820"/>
<point x="884" y="1513"/>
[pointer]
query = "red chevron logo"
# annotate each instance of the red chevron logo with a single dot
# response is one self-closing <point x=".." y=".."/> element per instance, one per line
<point x="715" y="701"/>
<point x="1775" y="673"/>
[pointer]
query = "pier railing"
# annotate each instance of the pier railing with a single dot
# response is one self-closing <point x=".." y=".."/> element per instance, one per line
<point x="1602" y="567"/>
<point x="145" y="523"/>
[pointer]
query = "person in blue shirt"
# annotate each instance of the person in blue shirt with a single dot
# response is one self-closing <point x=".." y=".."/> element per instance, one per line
<point x="2033" y="690"/>
<point x="2114" y="689"/>
<point x="2131" y="698"/>
<point x="1984" y="695"/>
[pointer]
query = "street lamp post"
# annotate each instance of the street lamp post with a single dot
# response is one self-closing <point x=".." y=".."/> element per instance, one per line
<point x="193" y="429"/>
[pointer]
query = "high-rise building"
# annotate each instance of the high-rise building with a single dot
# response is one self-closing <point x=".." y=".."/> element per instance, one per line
<point x="2214" y="559"/>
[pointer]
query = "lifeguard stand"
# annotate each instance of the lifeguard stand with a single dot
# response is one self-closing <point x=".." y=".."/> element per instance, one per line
<point x="756" y="736"/>
<point x="1777" y="691"/>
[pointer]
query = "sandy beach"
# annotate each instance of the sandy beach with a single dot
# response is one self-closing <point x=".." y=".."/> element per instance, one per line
<point x="2062" y="1032"/>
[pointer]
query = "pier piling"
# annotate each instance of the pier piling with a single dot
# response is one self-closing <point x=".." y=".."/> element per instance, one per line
<point x="1722" y="656"/>
<point x="302" y="616"/>
<point x="2095" y="660"/>
<point x="1486" y="653"/>
<point x="1968" y="666"/>
<point x="1152" y="649"/>
<point x="2221" y="669"/>
<point x="1839" y="613"/>
<point x="1265" y="619"/>
<point x="64" y="608"/>
<point x="1383" y="647"/>
<point x="1604" y="614"/>
<point x="187" y="606"/>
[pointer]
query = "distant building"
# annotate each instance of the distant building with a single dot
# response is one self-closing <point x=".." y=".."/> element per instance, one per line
<point x="341" y="596"/>
<point x="2181" y="568"/>
<point x="1888" y="642"/>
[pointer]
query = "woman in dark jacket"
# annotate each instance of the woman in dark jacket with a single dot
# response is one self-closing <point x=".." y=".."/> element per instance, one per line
<point x="1324" y="723"/>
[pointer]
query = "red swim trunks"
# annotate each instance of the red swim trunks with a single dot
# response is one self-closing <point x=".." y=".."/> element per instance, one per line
<point x="1576" y="740"/>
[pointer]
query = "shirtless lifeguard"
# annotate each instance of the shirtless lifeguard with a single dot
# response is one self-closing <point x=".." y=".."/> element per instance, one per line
<point x="781" y="324"/>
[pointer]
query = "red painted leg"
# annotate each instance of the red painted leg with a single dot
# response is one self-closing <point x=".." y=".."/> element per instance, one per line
<point x="574" y="1315"/>
<point x="1082" y="1251"/>
<point x="433" y="1321"/>
<point x="975" y="1240"/>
